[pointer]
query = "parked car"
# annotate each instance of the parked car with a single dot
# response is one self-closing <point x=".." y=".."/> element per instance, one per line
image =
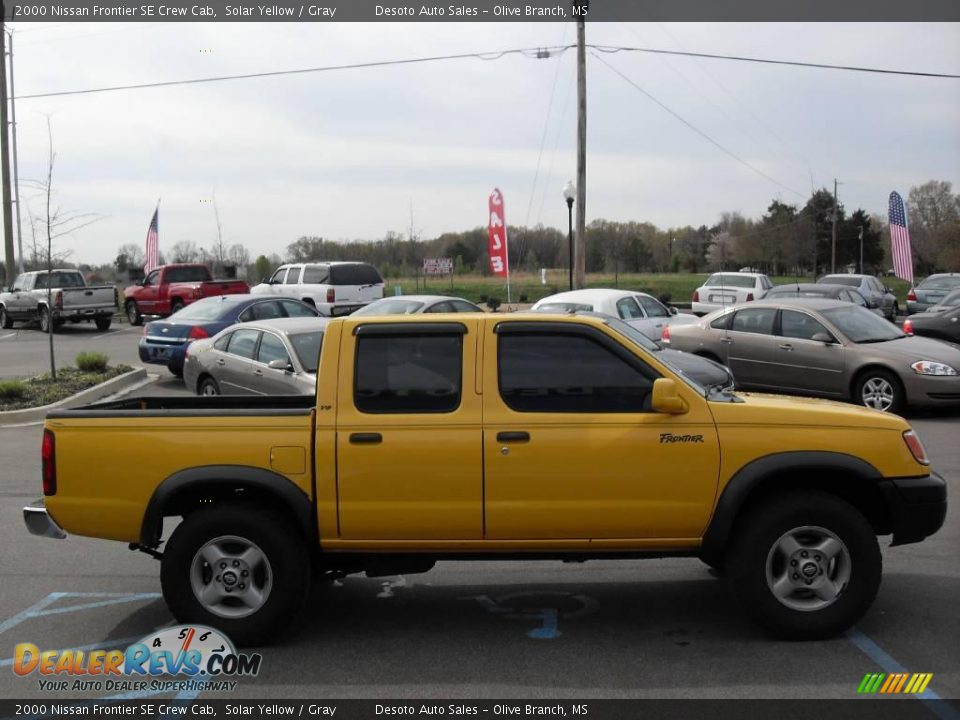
<point x="729" y="288"/>
<point x="58" y="296"/>
<point x="821" y="290"/>
<point x="267" y="357"/>
<point x="931" y="291"/>
<point x="334" y="288"/>
<point x="874" y="292"/>
<point x="170" y="288"/>
<point x="940" y="321"/>
<point x="638" y="309"/>
<point x="165" y="342"/>
<point x="413" y="304"/>
<point x="825" y="348"/>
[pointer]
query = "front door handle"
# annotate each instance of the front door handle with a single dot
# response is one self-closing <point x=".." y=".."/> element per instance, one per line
<point x="726" y="341"/>
<point x="371" y="438"/>
<point x="258" y="372"/>
<point x="221" y="361"/>
<point x="786" y="346"/>
<point x="520" y="436"/>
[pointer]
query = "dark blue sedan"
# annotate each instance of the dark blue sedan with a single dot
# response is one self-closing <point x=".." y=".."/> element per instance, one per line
<point x="164" y="342"/>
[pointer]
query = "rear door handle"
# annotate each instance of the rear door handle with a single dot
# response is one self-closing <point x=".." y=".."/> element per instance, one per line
<point x="372" y="438"/>
<point x="221" y="361"/>
<point x="520" y="436"/>
<point x="726" y="341"/>
<point x="258" y="372"/>
<point x="785" y="346"/>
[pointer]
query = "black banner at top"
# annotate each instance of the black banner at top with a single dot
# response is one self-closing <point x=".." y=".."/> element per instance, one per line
<point x="479" y="10"/>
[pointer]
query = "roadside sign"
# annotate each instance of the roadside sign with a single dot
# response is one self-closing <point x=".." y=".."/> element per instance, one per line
<point x="438" y="266"/>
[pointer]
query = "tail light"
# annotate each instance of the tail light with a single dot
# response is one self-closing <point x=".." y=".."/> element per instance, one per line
<point x="696" y="296"/>
<point x="749" y="297"/>
<point x="58" y="300"/>
<point x="666" y="335"/>
<point x="331" y="295"/>
<point x="197" y="333"/>
<point x="912" y="295"/>
<point x="49" y="462"/>
<point x="908" y="326"/>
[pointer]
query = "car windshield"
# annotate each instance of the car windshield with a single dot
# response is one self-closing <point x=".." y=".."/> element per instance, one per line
<point x="840" y="280"/>
<point x="862" y="326"/>
<point x="205" y="310"/>
<point x="307" y="347"/>
<point x="946" y="282"/>
<point x="737" y="281"/>
<point x="391" y="307"/>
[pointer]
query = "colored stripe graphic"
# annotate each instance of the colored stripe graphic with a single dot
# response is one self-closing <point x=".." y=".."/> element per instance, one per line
<point x="895" y="683"/>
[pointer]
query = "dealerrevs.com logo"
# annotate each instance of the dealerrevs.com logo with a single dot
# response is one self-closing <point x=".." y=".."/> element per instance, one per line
<point x="202" y="654"/>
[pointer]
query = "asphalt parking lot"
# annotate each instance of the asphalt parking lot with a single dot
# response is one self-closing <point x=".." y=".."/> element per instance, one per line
<point x="617" y="629"/>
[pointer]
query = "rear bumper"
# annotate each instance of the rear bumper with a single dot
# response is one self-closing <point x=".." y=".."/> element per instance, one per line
<point x="918" y="506"/>
<point x="171" y="356"/>
<point x="39" y="522"/>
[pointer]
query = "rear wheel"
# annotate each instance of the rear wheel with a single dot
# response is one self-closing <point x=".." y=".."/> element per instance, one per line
<point x="45" y="320"/>
<point x="208" y="387"/>
<point x="103" y="323"/>
<point x="133" y="313"/>
<point x="881" y="390"/>
<point x="240" y="569"/>
<point x="806" y="565"/>
<point x="6" y="322"/>
<point x="894" y="312"/>
<point x="176" y="306"/>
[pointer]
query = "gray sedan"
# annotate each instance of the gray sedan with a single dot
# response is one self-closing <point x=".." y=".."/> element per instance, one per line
<point x="874" y="292"/>
<point x="415" y="304"/>
<point x="931" y="291"/>
<point x="825" y="348"/>
<point x="267" y="357"/>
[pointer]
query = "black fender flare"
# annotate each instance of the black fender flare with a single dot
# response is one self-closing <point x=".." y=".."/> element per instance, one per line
<point x="225" y="479"/>
<point x="755" y="473"/>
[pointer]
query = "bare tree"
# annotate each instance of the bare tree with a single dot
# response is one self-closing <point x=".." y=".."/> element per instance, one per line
<point x="54" y="223"/>
<point x="218" y="251"/>
<point x="238" y="255"/>
<point x="185" y="251"/>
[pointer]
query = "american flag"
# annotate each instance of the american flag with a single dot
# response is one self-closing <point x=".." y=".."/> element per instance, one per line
<point x="153" y="250"/>
<point x="900" y="239"/>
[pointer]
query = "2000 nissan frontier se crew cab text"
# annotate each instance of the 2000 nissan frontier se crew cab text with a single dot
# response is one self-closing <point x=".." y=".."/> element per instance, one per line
<point x="470" y="437"/>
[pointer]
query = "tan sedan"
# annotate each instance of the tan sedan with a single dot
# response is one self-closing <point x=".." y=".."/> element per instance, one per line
<point x="825" y="348"/>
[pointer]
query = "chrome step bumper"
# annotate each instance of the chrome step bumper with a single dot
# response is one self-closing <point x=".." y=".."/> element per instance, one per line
<point x="39" y="522"/>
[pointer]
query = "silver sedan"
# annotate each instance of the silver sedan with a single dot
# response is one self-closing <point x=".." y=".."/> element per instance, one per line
<point x="826" y="348"/>
<point x="267" y="357"/>
<point x="415" y="304"/>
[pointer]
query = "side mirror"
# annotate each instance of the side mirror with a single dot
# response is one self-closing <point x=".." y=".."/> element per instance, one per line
<point x="673" y="310"/>
<point x="823" y="337"/>
<point x="665" y="398"/>
<point x="279" y="364"/>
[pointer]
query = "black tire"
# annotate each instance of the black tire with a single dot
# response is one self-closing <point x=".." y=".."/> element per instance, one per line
<point x="45" y="321"/>
<point x="758" y="565"/>
<point x="103" y="323"/>
<point x="6" y="322"/>
<point x="880" y="389"/>
<point x="176" y="306"/>
<point x="208" y="387"/>
<point x="894" y="312"/>
<point x="717" y="566"/>
<point x="282" y="576"/>
<point x="133" y="313"/>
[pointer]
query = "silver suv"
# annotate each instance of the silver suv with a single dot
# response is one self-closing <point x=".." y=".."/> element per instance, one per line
<point x="334" y="288"/>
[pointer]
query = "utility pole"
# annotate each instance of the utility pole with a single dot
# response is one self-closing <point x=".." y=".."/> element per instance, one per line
<point x="16" y="179"/>
<point x="833" y="232"/>
<point x="861" y="249"/>
<point x="580" y="10"/>
<point x="5" y="155"/>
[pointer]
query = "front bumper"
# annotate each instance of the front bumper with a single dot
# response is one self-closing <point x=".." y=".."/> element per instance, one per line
<point x="39" y="522"/>
<point x="918" y="506"/>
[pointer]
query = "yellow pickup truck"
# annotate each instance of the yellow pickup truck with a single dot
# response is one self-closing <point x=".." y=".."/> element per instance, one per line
<point x="475" y="437"/>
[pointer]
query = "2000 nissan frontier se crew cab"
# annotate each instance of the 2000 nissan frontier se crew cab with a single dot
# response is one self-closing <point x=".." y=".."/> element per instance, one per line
<point x="454" y="437"/>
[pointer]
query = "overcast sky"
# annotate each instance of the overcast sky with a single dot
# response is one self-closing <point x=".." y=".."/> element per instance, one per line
<point x="347" y="154"/>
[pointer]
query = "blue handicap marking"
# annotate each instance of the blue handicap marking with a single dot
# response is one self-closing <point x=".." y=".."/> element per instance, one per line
<point x="544" y="607"/>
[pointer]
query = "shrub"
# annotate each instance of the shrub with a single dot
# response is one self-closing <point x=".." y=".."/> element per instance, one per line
<point x="483" y="298"/>
<point x="493" y="303"/>
<point x="12" y="389"/>
<point x="92" y="362"/>
<point x="523" y="298"/>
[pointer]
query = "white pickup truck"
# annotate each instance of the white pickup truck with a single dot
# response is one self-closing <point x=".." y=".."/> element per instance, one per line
<point x="56" y="297"/>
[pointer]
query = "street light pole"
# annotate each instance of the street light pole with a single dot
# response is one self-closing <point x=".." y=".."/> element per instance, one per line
<point x="861" y="249"/>
<point x="16" y="181"/>
<point x="569" y="193"/>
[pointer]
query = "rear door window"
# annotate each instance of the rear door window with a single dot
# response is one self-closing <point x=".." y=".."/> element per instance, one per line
<point x="354" y="274"/>
<point x="243" y="343"/>
<point x="296" y="309"/>
<point x="754" y="320"/>
<point x="316" y="274"/>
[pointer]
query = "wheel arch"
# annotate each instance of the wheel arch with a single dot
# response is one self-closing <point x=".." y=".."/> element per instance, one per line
<point x="858" y="375"/>
<point x="844" y="476"/>
<point x="188" y="489"/>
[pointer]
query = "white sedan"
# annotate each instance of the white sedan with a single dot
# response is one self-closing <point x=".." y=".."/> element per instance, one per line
<point x="642" y="311"/>
<point x="729" y="288"/>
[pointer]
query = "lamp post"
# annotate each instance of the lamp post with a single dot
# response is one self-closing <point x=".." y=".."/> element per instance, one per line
<point x="569" y="193"/>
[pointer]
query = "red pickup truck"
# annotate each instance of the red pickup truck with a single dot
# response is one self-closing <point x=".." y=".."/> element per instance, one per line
<point x="170" y="287"/>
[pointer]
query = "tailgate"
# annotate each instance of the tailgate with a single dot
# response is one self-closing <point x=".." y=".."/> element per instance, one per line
<point x="89" y="298"/>
<point x="224" y="287"/>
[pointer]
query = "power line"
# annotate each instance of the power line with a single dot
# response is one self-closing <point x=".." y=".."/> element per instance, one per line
<point x="699" y="131"/>
<point x="532" y="53"/>
<point x="795" y="63"/>
<point x="495" y="55"/>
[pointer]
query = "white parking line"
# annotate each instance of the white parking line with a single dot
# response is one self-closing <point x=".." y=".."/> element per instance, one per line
<point x="4" y="337"/>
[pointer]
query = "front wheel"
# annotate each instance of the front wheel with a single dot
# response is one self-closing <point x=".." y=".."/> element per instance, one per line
<point x="881" y="390"/>
<point x="133" y="313"/>
<point x="241" y="569"/>
<point x="806" y="566"/>
<point x="6" y="322"/>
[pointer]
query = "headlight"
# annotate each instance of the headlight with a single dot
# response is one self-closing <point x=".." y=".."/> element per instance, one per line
<point x="929" y="367"/>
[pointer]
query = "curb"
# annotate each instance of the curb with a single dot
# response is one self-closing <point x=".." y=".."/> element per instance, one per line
<point x="97" y="392"/>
